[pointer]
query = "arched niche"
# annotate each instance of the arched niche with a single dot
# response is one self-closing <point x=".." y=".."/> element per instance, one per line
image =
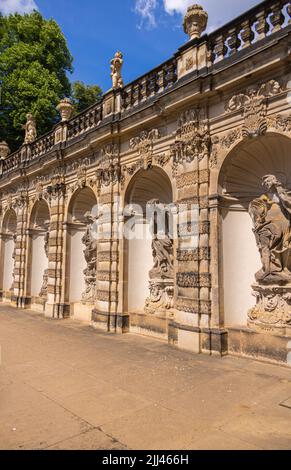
<point x="240" y="181"/>
<point x="145" y="186"/>
<point x="37" y="278"/>
<point x="81" y="203"/>
<point x="9" y="227"/>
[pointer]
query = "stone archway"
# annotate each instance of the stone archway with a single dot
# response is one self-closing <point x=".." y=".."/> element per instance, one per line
<point x="37" y="275"/>
<point x="8" y="251"/>
<point x="240" y="182"/>
<point x="81" y="250"/>
<point x="148" y="292"/>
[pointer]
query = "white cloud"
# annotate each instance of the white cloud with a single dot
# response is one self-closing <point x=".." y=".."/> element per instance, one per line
<point x="177" y="6"/>
<point x="17" y="6"/>
<point x="146" y="9"/>
<point x="219" y="12"/>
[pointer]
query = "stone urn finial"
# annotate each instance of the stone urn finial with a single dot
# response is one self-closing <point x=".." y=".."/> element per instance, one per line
<point x="4" y="150"/>
<point x="65" y="109"/>
<point x="195" y="21"/>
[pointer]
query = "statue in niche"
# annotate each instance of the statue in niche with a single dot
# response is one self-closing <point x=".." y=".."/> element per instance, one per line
<point x="13" y="257"/>
<point x="271" y="215"/>
<point x="90" y="254"/>
<point x="162" y="246"/>
<point x="43" y="290"/>
<point x="116" y="67"/>
<point x="30" y="129"/>
<point x="161" y="284"/>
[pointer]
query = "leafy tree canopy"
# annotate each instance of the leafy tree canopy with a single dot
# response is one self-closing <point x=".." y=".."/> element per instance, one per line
<point x="84" y="96"/>
<point x="34" y="66"/>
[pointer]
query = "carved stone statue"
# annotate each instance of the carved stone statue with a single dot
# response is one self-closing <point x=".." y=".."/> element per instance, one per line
<point x="13" y="257"/>
<point x="116" y="67"/>
<point x="161" y="285"/>
<point x="30" y="129"/>
<point x="43" y="290"/>
<point x="90" y="253"/>
<point x="271" y="215"/>
<point x="163" y="258"/>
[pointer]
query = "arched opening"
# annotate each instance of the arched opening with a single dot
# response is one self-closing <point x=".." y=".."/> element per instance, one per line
<point x="240" y="182"/>
<point x="81" y="255"/>
<point x="37" y="279"/>
<point x="148" y="247"/>
<point x="8" y="242"/>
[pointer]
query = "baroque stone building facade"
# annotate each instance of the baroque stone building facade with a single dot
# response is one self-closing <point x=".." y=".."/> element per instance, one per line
<point x="206" y="135"/>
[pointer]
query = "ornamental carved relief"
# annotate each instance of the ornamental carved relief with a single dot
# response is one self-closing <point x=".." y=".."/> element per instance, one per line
<point x="193" y="280"/>
<point x="223" y="143"/>
<point x="21" y="199"/>
<point x="109" y="170"/>
<point x="253" y="104"/>
<point x="57" y="186"/>
<point x="199" y="254"/>
<point x="192" y="138"/>
<point x="273" y="306"/>
<point x="144" y="144"/>
<point x="280" y="123"/>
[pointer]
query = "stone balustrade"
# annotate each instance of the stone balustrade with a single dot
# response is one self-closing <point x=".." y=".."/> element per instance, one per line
<point x="149" y="86"/>
<point x="11" y="163"/>
<point x="262" y="21"/>
<point x="42" y="146"/>
<point x="249" y="31"/>
<point x="85" y="121"/>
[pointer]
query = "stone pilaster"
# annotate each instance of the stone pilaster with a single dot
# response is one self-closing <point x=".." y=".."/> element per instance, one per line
<point x="20" y="298"/>
<point x="108" y="311"/>
<point x="55" y="308"/>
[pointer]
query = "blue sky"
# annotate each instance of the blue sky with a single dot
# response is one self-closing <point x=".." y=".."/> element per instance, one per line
<point x="146" y="31"/>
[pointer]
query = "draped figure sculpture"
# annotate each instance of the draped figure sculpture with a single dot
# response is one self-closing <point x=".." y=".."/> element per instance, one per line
<point x="161" y="276"/>
<point x="271" y="215"/>
<point x="90" y="254"/>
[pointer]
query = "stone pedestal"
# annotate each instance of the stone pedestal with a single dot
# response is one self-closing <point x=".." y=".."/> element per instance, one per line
<point x="272" y="313"/>
<point x="38" y="304"/>
<point x="161" y="299"/>
<point x="82" y="311"/>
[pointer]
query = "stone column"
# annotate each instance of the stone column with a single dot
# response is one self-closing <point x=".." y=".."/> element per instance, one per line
<point x="55" y="308"/>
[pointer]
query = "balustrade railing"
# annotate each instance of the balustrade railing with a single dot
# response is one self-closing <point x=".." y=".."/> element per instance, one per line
<point x="150" y="85"/>
<point x="262" y="21"/>
<point x="86" y="121"/>
<point x="248" y="30"/>
<point x="42" y="145"/>
<point x="11" y="163"/>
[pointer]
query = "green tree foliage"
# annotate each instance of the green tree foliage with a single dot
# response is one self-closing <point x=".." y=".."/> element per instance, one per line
<point x="34" y="61"/>
<point x="84" y="96"/>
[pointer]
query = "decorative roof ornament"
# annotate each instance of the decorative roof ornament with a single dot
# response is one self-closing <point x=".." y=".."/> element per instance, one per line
<point x="195" y="21"/>
<point x="65" y="109"/>
<point x="4" y="150"/>
<point x="30" y="129"/>
<point x="116" y="68"/>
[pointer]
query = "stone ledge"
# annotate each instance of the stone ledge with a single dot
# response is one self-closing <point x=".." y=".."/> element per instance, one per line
<point x="261" y="346"/>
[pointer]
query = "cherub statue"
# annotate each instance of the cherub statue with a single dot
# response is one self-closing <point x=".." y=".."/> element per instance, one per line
<point x="30" y="129"/>
<point x="116" y="67"/>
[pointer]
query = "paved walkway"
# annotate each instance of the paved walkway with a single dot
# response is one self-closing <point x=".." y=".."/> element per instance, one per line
<point x="64" y="385"/>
